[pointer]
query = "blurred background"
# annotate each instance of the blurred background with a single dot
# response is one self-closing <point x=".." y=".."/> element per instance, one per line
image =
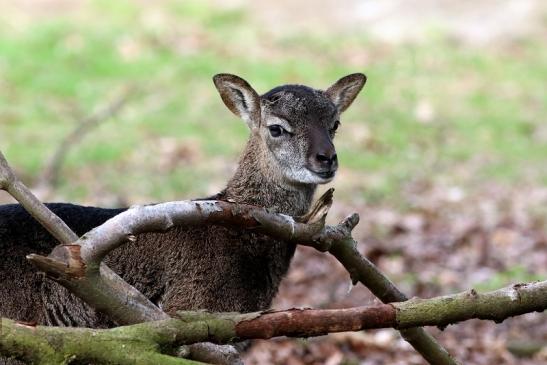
<point x="444" y="153"/>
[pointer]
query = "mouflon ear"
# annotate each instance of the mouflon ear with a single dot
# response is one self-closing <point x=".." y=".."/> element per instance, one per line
<point x="343" y="92"/>
<point x="239" y="97"/>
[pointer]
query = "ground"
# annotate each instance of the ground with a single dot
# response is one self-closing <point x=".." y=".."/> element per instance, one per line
<point x="443" y="154"/>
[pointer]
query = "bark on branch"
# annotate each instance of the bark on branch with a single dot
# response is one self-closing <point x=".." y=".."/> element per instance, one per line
<point x="143" y="341"/>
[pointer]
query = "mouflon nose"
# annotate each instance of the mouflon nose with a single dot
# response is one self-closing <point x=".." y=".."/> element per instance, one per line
<point x="327" y="158"/>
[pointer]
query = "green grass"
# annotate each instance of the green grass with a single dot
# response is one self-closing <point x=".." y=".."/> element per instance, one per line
<point x="514" y="275"/>
<point x="488" y="104"/>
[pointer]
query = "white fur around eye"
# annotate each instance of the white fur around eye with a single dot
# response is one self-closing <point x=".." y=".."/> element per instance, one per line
<point x="271" y="120"/>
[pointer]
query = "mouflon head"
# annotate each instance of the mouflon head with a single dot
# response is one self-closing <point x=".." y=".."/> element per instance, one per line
<point x="295" y="124"/>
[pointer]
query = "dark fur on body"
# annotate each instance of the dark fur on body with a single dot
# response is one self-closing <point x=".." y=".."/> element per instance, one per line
<point x="24" y="293"/>
<point x="212" y="267"/>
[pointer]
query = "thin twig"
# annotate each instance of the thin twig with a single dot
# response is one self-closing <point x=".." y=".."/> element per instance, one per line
<point x="51" y="222"/>
<point x="50" y="175"/>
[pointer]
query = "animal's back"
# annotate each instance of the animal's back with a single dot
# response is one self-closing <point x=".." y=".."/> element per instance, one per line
<point x="22" y="287"/>
<point x="206" y="267"/>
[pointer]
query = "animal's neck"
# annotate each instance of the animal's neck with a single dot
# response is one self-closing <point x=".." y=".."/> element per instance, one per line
<point x="257" y="181"/>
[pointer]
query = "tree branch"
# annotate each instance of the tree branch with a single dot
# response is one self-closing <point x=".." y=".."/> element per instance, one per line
<point x="143" y="341"/>
<point x="497" y="306"/>
<point x="44" y="345"/>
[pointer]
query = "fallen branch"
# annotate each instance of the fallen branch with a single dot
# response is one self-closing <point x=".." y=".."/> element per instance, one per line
<point x="92" y="247"/>
<point x="78" y="266"/>
<point x="44" y="345"/>
<point x="497" y="306"/>
<point x="144" y="341"/>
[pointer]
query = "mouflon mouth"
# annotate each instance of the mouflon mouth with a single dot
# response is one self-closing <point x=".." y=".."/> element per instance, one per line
<point x="325" y="174"/>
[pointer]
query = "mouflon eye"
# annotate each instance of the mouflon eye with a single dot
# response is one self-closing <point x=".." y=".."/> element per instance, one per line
<point x="335" y="127"/>
<point x="276" y="130"/>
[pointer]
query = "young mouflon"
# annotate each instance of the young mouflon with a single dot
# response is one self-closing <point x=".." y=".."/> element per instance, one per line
<point x="290" y="150"/>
